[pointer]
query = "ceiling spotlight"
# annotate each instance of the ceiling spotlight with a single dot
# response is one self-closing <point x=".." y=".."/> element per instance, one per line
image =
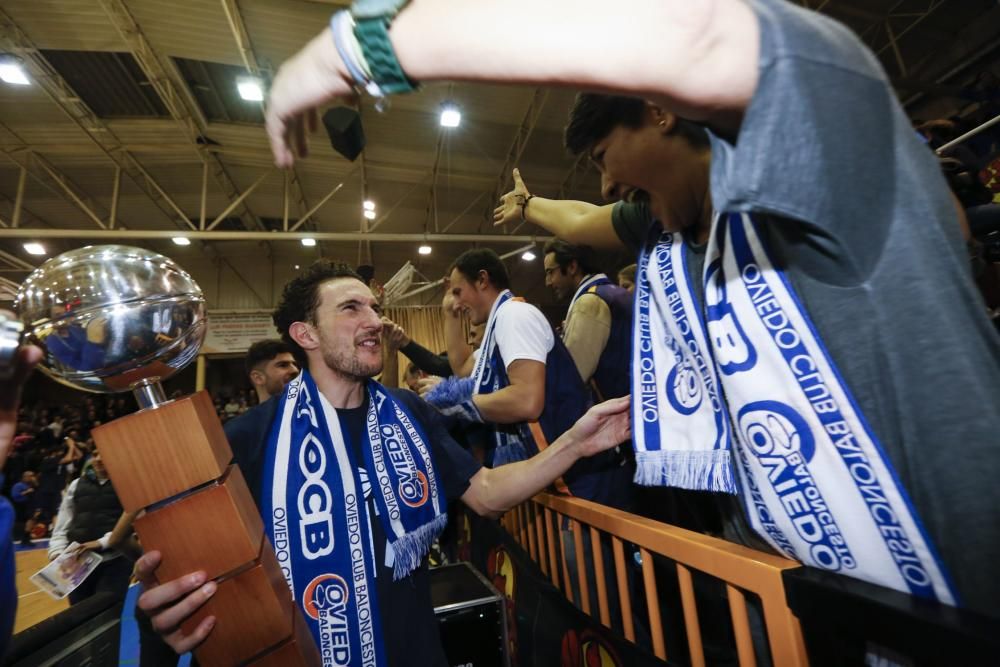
<point x="370" y="214"/>
<point x="451" y="116"/>
<point x="424" y="249"/>
<point x="250" y="88"/>
<point x="34" y="248"/>
<point x="528" y="256"/>
<point x="296" y="267"/>
<point x="308" y="242"/>
<point x="369" y="205"/>
<point x="181" y="240"/>
<point x="11" y="70"/>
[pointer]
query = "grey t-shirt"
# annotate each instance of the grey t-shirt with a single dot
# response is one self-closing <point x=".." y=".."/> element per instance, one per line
<point x="858" y="215"/>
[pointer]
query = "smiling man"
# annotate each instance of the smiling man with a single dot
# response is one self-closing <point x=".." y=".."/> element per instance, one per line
<point x="321" y="439"/>
<point x="521" y="373"/>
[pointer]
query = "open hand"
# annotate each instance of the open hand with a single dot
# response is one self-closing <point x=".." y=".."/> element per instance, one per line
<point x="603" y="426"/>
<point x="509" y="208"/>
<point x="313" y="77"/>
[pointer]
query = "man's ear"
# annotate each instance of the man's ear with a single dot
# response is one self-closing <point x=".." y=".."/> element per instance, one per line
<point x="482" y="279"/>
<point x="304" y="334"/>
<point x="257" y="378"/>
<point x="664" y="120"/>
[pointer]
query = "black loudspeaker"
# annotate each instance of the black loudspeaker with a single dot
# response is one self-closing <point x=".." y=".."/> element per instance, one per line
<point x="367" y="272"/>
<point x="343" y="124"/>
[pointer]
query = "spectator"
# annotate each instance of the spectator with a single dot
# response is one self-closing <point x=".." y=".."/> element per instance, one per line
<point x="88" y="513"/>
<point x="270" y="366"/>
<point x="23" y="496"/>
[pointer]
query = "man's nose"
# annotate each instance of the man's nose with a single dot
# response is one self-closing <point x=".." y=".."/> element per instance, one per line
<point x="608" y="188"/>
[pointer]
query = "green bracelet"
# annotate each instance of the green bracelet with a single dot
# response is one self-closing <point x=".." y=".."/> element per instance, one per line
<point x="386" y="72"/>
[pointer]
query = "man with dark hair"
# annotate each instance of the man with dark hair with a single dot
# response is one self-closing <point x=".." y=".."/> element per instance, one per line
<point x="270" y="366"/>
<point x="520" y="374"/>
<point x="597" y="330"/>
<point x="342" y="437"/>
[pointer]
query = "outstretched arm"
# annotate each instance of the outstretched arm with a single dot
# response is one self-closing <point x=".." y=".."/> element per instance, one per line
<point x="697" y="59"/>
<point x="577" y="222"/>
<point x="493" y="491"/>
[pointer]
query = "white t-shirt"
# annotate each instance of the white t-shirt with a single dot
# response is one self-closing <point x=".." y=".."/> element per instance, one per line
<point x="522" y="332"/>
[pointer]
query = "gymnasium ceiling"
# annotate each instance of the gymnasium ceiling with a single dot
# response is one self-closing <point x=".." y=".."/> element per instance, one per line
<point x="138" y="97"/>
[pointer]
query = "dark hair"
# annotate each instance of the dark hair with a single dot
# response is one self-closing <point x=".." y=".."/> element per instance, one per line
<point x="263" y="351"/>
<point x="566" y="252"/>
<point x="300" y="298"/>
<point x="594" y="116"/>
<point x="471" y="262"/>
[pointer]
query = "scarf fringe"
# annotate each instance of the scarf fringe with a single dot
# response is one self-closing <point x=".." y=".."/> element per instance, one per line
<point x="411" y="548"/>
<point x="695" y="470"/>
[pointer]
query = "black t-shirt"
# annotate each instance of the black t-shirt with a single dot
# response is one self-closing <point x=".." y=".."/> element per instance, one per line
<point x="410" y="631"/>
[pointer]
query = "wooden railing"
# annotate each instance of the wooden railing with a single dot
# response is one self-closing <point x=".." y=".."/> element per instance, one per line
<point x="535" y="525"/>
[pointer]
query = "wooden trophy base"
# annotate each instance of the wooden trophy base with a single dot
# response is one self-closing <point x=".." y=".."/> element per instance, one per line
<point x="173" y="461"/>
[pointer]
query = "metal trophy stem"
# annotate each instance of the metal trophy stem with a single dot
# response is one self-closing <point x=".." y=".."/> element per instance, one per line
<point x="149" y="394"/>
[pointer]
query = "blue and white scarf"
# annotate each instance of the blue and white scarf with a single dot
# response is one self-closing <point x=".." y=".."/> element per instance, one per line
<point x="313" y="503"/>
<point x="814" y="479"/>
<point x="513" y="442"/>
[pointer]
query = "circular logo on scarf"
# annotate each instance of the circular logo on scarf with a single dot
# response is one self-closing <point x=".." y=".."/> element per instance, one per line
<point x="414" y="491"/>
<point x="776" y="429"/>
<point x="683" y="389"/>
<point x="325" y="592"/>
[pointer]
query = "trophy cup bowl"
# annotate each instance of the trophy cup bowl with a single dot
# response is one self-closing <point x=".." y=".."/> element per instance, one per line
<point x="112" y="318"/>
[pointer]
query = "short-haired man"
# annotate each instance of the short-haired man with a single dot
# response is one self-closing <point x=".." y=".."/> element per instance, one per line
<point x="339" y="420"/>
<point x="520" y="374"/>
<point x="597" y="330"/>
<point x="270" y="366"/>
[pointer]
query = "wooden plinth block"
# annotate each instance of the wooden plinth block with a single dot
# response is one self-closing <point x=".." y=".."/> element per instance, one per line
<point x="253" y="612"/>
<point x="299" y="651"/>
<point x="216" y="529"/>
<point x="159" y="452"/>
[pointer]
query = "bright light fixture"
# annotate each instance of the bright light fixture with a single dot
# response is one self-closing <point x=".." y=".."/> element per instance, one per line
<point x="528" y="256"/>
<point x="34" y="248"/>
<point x="296" y="267"/>
<point x="250" y="88"/>
<point x="181" y="240"/>
<point x="370" y="215"/>
<point x="424" y="249"/>
<point x="12" y="72"/>
<point x="308" y="242"/>
<point x="369" y="205"/>
<point x="450" y="116"/>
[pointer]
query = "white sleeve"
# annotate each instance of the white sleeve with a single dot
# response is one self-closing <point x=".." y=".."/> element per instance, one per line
<point x="522" y="332"/>
<point x="60" y="540"/>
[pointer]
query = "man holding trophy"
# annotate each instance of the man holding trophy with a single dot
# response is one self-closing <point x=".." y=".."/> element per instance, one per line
<point x="348" y="480"/>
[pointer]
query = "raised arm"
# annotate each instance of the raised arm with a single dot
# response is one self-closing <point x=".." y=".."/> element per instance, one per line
<point x="577" y="222"/>
<point x="698" y="59"/>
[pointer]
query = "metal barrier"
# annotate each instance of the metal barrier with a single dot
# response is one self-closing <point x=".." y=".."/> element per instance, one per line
<point x="742" y="569"/>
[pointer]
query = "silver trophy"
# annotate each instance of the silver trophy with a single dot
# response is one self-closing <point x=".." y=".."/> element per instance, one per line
<point x="112" y="318"/>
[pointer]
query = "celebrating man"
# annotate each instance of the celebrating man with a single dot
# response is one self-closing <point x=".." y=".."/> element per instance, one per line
<point x="375" y="465"/>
